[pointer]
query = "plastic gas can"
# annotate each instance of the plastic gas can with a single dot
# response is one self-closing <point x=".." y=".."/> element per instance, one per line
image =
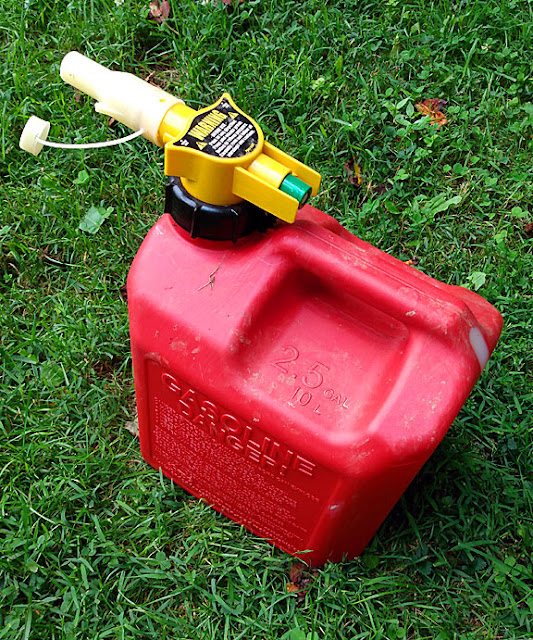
<point x="286" y="372"/>
<point x="297" y="380"/>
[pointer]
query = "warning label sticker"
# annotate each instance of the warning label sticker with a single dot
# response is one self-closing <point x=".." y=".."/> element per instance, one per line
<point x="222" y="131"/>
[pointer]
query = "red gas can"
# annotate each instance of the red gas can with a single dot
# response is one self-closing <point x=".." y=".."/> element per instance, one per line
<point x="293" y="376"/>
<point x="298" y="379"/>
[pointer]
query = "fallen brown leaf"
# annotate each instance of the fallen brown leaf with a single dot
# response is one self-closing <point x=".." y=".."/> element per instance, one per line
<point x="432" y="107"/>
<point x="528" y="229"/>
<point x="133" y="425"/>
<point x="301" y="578"/>
<point x="380" y="188"/>
<point x="297" y="571"/>
<point x="376" y="188"/>
<point x="353" y="173"/>
<point x="159" y="11"/>
<point x="435" y="104"/>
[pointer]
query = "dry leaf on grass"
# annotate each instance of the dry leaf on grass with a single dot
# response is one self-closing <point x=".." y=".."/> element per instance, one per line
<point x="159" y="11"/>
<point x="433" y="108"/>
<point x="376" y="189"/>
<point x="528" y="229"/>
<point x="133" y="426"/>
<point x="353" y="173"/>
<point x="301" y="578"/>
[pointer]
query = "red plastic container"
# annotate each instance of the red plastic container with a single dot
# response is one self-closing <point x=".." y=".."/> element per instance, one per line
<point x="298" y="379"/>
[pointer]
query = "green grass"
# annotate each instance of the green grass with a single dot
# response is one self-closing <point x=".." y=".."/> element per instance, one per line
<point x="93" y="543"/>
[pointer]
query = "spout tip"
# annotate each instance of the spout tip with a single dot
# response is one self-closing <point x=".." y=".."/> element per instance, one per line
<point x="84" y="74"/>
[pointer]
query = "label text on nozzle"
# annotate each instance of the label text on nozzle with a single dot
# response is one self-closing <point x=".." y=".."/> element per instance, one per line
<point x="208" y="124"/>
<point x="221" y="131"/>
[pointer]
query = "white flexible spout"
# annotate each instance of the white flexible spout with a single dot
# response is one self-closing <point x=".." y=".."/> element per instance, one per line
<point x="123" y="96"/>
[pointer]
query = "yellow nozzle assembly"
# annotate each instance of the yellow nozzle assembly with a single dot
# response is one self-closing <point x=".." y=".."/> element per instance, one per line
<point x="222" y="158"/>
<point x="219" y="152"/>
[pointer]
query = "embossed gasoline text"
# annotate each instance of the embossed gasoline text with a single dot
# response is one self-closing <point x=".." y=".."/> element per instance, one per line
<point x="235" y="433"/>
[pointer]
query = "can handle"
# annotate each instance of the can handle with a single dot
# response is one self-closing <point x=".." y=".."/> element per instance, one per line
<point x="381" y="282"/>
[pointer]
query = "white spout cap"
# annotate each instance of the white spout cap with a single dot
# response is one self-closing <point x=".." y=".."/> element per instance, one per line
<point x="33" y="133"/>
<point x="123" y="96"/>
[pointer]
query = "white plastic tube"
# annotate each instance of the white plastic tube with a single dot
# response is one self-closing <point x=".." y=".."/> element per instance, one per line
<point x="90" y="145"/>
<point x="123" y="96"/>
<point x="35" y="133"/>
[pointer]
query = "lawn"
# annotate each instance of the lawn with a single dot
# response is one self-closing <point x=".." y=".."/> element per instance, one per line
<point x="95" y="544"/>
